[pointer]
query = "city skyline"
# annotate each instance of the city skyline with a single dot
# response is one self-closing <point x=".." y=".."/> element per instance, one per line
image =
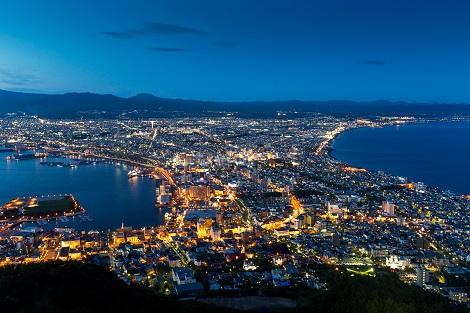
<point x="235" y="156"/>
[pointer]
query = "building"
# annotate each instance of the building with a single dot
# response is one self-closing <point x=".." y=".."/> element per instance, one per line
<point x="63" y="254"/>
<point x="458" y="295"/>
<point x="204" y="227"/>
<point x="396" y="262"/>
<point x="189" y="290"/>
<point x="215" y="233"/>
<point x="164" y="199"/>
<point x="173" y="260"/>
<point x="422" y="243"/>
<point x="334" y="209"/>
<point x="420" y="187"/>
<point x="200" y="192"/>
<point x="163" y="193"/>
<point x="336" y="240"/>
<point x="71" y="243"/>
<point x="296" y="223"/>
<point x="219" y="218"/>
<point x="388" y="208"/>
<point x="183" y="275"/>
<point x="422" y="276"/>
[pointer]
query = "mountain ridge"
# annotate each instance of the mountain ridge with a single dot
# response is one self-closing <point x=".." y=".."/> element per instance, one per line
<point x="74" y="104"/>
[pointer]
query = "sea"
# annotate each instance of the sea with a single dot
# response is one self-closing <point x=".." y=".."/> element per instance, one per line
<point x="109" y="197"/>
<point x="436" y="153"/>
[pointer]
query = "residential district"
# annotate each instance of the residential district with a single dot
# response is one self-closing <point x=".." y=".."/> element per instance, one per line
<point x="252" y="204"/>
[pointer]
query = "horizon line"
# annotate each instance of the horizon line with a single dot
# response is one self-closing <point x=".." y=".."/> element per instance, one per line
<point x="46" y="93"/>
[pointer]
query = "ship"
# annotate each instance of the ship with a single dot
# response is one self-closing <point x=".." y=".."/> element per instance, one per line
<point x="133" y="173"/>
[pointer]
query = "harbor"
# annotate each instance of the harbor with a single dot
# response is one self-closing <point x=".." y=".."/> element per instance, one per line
<point x="104" y="187"/>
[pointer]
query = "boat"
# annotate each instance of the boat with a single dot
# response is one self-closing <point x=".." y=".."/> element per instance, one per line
<point x="133" y="173"/>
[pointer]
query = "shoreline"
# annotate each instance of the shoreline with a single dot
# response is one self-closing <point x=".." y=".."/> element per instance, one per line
<point x="328" y="150"/>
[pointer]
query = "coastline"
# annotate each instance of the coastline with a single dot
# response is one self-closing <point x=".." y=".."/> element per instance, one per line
<point x="329" y="149"/>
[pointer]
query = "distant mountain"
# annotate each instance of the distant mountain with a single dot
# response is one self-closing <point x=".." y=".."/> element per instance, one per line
<point x="74" y="105"/>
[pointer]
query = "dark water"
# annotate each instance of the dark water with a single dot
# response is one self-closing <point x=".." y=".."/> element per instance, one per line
<point x="437" y="154"/>
<point x="104" y="190"/>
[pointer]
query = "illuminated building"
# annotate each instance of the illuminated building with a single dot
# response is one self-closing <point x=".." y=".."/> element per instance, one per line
<point x="333" y="208"/>
<point x="458" y="295"/>
<point x="219" y="219"/>
<point x="395" y="262"/>
<point x="75" y="254"/>
<point x="420" y="187"/>
<point x="215" y="233"/>
<point x="388" y="208"/>
<point x="422" y="276"/>
<point x="200" y="192"/>
<point x="249" y="265"/>
<point x="63" y="254"/>
<point x="305" y="220"/>
<point x="204" y="227"/>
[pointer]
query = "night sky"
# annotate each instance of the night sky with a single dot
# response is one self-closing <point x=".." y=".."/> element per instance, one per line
<point x="408" y="50"/>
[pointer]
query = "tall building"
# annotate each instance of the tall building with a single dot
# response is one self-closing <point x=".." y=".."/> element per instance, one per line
<point x="308" y="220"/>
<point x="188" y="162"/>
<point x="162" y="189"/>
<point x="215" y="233"/>
<point x="162" y="193"/>
<point x="336" y="240"/>
<point x="422" y="276"/>
<point x="388" y="208"/>
<point x="219" y="218"/>
<point x="422" y="243"/>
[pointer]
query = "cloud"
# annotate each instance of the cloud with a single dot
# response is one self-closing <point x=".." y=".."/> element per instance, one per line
<point x="155" y="29"/>
<point x="167" y="49"/>
<point x="17" y="77"/>
<point x="372" y="62"/>
<point x="161" y="28"/>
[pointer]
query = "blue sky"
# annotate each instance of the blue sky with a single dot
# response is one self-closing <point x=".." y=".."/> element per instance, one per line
<point x="239" y="50"/>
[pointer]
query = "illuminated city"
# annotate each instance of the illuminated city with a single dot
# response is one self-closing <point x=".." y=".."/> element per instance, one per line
<point x="253" y="203"/>
<point x="267" y="156"/>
